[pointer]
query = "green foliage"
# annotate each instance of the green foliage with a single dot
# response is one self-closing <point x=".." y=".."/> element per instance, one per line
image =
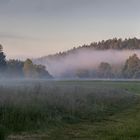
<point x="28" y="69"/>
<point x="35" y="71"/>
<point x="132" y="67"/>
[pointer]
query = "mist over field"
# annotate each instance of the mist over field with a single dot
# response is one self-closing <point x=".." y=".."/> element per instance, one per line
<point x="69" y="69"/>
<point x="86" y="59"/>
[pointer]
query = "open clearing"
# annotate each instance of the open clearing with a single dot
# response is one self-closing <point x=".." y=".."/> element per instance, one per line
<point x="70" y="110"/>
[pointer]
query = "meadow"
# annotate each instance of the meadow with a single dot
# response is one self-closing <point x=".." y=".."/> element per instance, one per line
<point x="69" y="110"/>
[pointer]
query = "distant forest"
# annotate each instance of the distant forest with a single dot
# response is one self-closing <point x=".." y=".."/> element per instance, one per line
<point x="35" y="68"/>
<point x="115" y="44"/>
<point x="130" y="69"/>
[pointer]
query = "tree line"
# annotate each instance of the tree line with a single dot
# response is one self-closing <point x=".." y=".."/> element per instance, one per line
<point x="115" y="44"/>
<point x="129" y="70"/>
<point x="105" y="70"/>
<point x="21" y="69"/>
<point x="27" y="69"/>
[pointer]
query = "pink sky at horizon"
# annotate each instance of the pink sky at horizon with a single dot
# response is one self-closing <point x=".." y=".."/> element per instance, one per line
<point x="40" y="27"/>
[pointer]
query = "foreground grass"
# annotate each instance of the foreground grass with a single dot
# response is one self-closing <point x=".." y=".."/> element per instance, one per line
<point x="70" y="110"/>
<point x="122" y="126"/>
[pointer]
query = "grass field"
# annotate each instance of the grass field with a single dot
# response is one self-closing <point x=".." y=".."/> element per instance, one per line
<point x="70" y="110"/>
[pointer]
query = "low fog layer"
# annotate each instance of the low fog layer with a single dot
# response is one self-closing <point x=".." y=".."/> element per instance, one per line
<point x="85" y="59"/>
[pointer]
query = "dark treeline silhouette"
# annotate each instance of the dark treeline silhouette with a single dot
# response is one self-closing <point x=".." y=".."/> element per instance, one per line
<point x="115" y="44"/>
<point x="21" y="69"/>
<point x="2" y="60"/>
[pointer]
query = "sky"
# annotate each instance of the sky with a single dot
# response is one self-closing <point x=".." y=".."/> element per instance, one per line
<point x="34" y="28"/>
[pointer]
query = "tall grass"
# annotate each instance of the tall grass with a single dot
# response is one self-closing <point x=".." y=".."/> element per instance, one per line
<point x="3" y="133"/>
<point x="29" y="106"/>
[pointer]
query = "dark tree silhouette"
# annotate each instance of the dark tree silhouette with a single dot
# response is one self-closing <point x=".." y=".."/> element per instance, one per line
<point x="15" y="68"/>
<point x="3" y="63"/>
<point x="104" y="70"/>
